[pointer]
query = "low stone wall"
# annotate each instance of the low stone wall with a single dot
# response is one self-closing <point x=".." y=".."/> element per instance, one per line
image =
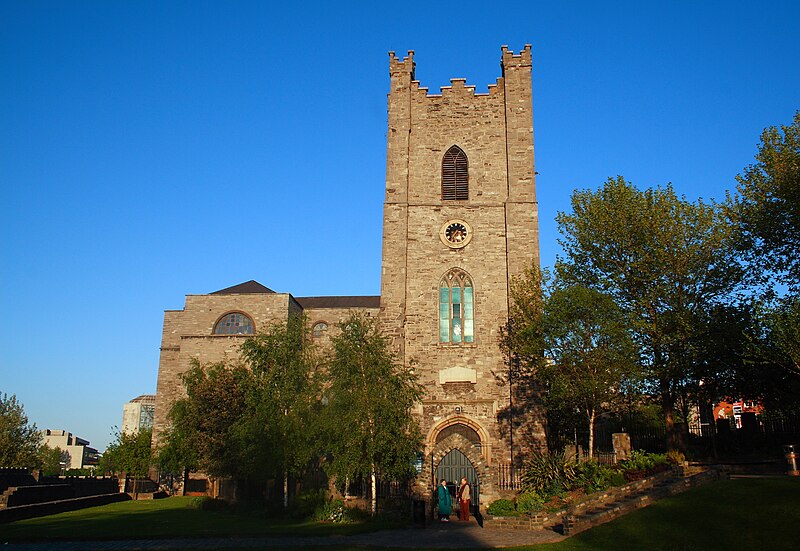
<point x="55" y="489"/>
<point x="53" y="507"/>
<point x="616" y="493"/>
<point x="538" y="521"/>
<point x="84" y="486"/>
<point x="27" y="495"/>
<point x="15" y="477"/>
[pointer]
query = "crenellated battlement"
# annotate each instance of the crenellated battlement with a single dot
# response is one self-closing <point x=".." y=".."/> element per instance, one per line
<point x="458" y="88"/>
<point x="406" y="65"/>
<point x="510" y="59"/>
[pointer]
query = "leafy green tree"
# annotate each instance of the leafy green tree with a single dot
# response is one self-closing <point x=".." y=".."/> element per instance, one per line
<point x="206" y="424"/>
<point x="129" y="453"/>
<point x="783" y="329"/>
<point x="768" y="205"/>
<point x="19" y="440"/>
<point x="52" y="459"/>
<point x="369" y="397"/>
<point x="282" y="401"/>
<point x="664" y="260"/>
<point x="591" y="357"/>
<point x="571" y="349"/>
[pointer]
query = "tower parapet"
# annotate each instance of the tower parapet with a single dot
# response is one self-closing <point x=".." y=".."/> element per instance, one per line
<point x="510" y="59"/>
<point x="406" y="65"/>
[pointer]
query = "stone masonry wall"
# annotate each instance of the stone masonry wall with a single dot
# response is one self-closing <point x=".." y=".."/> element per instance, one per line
<point x="187" y="334"/>
<point x="495" y="130"/>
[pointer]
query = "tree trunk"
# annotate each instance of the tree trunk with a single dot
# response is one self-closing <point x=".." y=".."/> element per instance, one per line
<point x="374" y="480"/>
<point x="285" y="489"/>
<point x="591" y="434"/>
<point x="668" y="408"/>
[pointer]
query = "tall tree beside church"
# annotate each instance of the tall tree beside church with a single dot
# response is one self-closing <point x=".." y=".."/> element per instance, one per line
<point x="572" y="344"/>
<point x="367" y="416"/>
<point x="282" y="400"/>
<point x="768" y="205"/>
<point x="663" y="259"/>
<point x="767" y="209"/>
<point x="592" y="359"/>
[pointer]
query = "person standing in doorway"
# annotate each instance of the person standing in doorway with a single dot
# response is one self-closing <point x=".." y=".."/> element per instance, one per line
<point x="464" y="497"/>
<point x="445" y="506"/>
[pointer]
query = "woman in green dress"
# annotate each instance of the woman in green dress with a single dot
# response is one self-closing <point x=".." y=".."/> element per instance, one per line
<point x="445" y="507"/>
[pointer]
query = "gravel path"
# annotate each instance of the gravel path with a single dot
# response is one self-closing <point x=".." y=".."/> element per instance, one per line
<point x="442" y="536"/>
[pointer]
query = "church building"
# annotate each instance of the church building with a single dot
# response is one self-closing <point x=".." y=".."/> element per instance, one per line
<point x="460" y="220"/>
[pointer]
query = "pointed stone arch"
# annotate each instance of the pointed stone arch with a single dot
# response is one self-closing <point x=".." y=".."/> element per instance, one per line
<point x="433" y="433"/>
<point x="458" y="442"/>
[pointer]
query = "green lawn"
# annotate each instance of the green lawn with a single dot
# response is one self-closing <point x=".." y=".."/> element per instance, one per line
<point x="735" y="514"/>
<point x="174" y="517"/>
<point x="732" y="514"/>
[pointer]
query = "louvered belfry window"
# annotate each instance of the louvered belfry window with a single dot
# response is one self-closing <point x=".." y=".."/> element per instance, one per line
<point x="455" y="175"/>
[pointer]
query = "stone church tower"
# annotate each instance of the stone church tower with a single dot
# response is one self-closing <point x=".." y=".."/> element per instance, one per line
<point x="460" y="219"/>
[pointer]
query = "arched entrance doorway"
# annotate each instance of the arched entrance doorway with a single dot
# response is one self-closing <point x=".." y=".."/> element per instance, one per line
<point x="453" y="467"/>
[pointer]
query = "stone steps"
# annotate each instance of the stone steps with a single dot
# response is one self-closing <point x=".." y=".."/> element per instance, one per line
<point x="577" y="519"/>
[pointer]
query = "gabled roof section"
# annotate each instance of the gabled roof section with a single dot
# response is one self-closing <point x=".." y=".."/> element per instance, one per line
<point x="339" y="302"/>
<point x="251" y="287"/>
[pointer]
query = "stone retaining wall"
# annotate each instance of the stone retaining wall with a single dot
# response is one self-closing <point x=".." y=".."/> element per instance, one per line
<point x="52" y="507"/>
<point x="575" y="522"/>
<point x="654" y="487"/>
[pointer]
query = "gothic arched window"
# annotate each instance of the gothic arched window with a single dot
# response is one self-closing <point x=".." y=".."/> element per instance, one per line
<point x="455" y="175"/>
<point x="235" y="323"/>
<point x="456" y="316"/>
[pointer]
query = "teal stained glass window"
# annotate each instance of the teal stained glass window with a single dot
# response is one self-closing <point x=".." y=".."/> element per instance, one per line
<point x="234" y="323"/>
<point x="456" y="308"/>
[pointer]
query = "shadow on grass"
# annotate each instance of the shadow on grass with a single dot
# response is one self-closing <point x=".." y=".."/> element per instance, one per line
<point x="174" y="517"/>
<point x="732" y="514"/>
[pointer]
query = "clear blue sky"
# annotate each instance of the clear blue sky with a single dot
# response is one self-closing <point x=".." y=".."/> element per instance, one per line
<point x="154" y="149"/>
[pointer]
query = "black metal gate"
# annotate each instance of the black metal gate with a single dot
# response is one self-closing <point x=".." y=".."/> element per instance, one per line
<point x="453" y="467"/>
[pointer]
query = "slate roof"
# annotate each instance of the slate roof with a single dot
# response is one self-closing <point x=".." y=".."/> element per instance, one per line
<point x="254" y="287"/>
<point x="251" y="287"/>
<point x="339" y="302"/>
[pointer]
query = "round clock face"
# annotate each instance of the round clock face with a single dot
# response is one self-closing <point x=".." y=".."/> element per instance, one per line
<point x="455" y="233"/>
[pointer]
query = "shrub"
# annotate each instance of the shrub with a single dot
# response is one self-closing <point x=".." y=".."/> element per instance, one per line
<point x="643" y="461"/>
<point x="502" y="508"/>
<point x="548" y="472"/>
<point x="593" y="477"/>
<point x="305" y="505"/>
<point x="333" y="511"/>
<point x="529" y="502"/>
<point x="675" y="457"/>
<point x="206" y="503"/>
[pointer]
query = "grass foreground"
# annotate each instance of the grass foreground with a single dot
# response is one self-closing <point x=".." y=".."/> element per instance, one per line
<point x="732" y="514"/>
<point x="744" y="513"/>
<point x="172" y="517"/>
